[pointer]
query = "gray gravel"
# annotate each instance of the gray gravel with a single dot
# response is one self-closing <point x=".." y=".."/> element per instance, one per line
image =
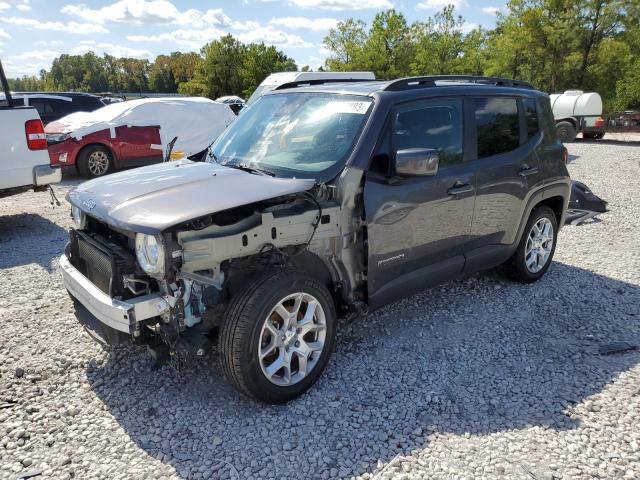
<point x="481" y="378"/>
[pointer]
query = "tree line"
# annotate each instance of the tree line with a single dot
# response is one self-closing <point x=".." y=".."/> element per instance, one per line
<point x="557" y="45"/>
<point x="592" y="45"/>
<point x="223" y="67"/>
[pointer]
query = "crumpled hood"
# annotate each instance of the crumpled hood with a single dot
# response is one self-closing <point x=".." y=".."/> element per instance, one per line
<point x="152" y="199"/>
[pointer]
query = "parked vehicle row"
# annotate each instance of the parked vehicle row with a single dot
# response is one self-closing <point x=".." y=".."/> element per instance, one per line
<point x="316" y="203"/>
<point x="53" y="106"/>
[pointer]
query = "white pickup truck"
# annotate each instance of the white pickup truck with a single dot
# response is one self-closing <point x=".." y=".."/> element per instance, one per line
<point x="24" y="160"/>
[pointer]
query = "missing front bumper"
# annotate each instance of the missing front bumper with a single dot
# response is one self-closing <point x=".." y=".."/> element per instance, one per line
<point x="120" y="315"/>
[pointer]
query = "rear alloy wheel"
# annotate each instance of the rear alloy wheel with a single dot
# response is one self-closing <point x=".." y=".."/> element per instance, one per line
<point x="536" y="248"/>
<point x="95" y="162"/>
<point x="277" y="336"/>
<point x="566" y="132"/>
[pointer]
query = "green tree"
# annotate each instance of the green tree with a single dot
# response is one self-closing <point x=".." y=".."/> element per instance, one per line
<point x="161" y="77"/>
<point x="440" y="44"/>
<point x="346" y="44"/>
<point x="218" y="73"/>
<point x="389" y="48"/>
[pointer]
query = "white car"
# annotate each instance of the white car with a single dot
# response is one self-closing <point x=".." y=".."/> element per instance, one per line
<point x="282" y="79"/>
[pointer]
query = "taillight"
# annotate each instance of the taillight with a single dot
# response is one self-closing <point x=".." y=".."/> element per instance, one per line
<point x="599" y="122"/>
<point x="36" y="138"/>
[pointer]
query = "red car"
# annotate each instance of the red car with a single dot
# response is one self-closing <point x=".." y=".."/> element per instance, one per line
<point x="135" y="133"/>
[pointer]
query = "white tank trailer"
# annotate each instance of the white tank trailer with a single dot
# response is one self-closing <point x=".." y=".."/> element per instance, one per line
<point x="576" y="112"/>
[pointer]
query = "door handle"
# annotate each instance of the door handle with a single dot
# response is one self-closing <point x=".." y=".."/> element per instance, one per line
<point x="526" y="170"/>
<point x="459" y="187"/>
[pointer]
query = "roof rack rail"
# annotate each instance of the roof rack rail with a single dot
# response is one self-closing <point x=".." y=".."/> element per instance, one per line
<point x="305" y="83"/>
<point x="430" y="81"/>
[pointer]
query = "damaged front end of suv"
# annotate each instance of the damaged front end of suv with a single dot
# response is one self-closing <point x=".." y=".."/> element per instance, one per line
<point x="180" y="254"/>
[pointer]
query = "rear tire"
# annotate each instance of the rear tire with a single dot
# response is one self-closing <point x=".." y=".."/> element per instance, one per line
<point x="277" y="336"/>
<point x="536" y="248"/>
<point x="566" y="132"/>
<point x="95" y="161"/>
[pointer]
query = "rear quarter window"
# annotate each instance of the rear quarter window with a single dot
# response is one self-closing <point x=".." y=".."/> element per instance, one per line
<point x="530" y="117"/>
<point x="497" y="125"/>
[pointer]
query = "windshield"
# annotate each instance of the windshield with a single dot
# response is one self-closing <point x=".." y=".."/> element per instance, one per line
<point x="293" y="134"/>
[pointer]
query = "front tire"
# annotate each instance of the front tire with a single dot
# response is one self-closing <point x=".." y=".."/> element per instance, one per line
<point x="536" y="248"/>
<point x="277" y="336"/>
<point x="95" y="161"/>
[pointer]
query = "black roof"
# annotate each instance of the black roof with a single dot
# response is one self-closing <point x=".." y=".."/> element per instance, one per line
<point x="61" y="94"/>
<point x="369" y="88"/>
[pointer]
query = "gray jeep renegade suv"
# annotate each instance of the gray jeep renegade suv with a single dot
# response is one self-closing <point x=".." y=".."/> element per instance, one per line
<point x="318" y="201"/>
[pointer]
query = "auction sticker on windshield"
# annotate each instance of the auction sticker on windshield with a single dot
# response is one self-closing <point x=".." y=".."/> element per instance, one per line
<point x="348" y="107"/>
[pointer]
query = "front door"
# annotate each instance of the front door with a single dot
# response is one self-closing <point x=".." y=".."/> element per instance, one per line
<point x="418" y="227"/>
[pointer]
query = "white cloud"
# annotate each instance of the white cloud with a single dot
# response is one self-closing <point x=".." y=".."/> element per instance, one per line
<point x="438" y="4"/>
<point x="251" y="31"/>
<point x="82" y="49"/>
<point x="468" y="26"/>
<point x="272" y="36"/>
<point x="4" y="34"/>
<point x="22" y="5"/>
<point x="314" y="62"/>
<point x="315" y="24"/>
<point x="193" y="39"/>
<point x="49" y="42"/>
<point x="123" y="51"/>
<point x="69" y="27"/>
<point x="29" y="63"/>
<point x="491" y="10"/>
<point x="111" y="49"/>
<point x="148" y="12"/>
<point x="338" y="5"/>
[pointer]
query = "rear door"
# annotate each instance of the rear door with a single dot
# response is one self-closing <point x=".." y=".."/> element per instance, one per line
<point x="418" y="227"/>
<point x="507" y="168"/>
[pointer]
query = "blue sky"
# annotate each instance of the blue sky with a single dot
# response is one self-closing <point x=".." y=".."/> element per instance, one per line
<point x="33" y="32"/>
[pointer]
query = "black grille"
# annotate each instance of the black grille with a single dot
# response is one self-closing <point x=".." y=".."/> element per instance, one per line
<point x="101" y="261"/>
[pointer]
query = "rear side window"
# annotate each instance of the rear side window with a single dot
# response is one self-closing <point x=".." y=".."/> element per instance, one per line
<point x="530" y="117"/>
<point x="42" y="105"/>
<point x="86" y="104"/>
<point x="435" y="124"/>
<point x="51" y="105"/>
<point x="497" y="125"/>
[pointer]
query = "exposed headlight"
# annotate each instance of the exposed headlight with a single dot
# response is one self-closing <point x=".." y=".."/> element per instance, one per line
<point x="56" y="137"/>
<point x="150" y="254"/>
<point x="79" y="218"/>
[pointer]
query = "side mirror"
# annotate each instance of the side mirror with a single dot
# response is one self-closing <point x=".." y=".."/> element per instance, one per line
<point x="416" y="162"/>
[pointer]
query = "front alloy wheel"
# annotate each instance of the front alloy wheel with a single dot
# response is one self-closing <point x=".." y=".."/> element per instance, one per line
<point x="292" y="339"/>
<point x="278" y="335"/>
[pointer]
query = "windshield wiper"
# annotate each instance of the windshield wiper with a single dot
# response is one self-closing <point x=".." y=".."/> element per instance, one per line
<point x="254" y="170"/>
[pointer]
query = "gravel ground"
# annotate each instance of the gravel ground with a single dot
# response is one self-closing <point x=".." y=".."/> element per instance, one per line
<point x="480" y="378"/>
